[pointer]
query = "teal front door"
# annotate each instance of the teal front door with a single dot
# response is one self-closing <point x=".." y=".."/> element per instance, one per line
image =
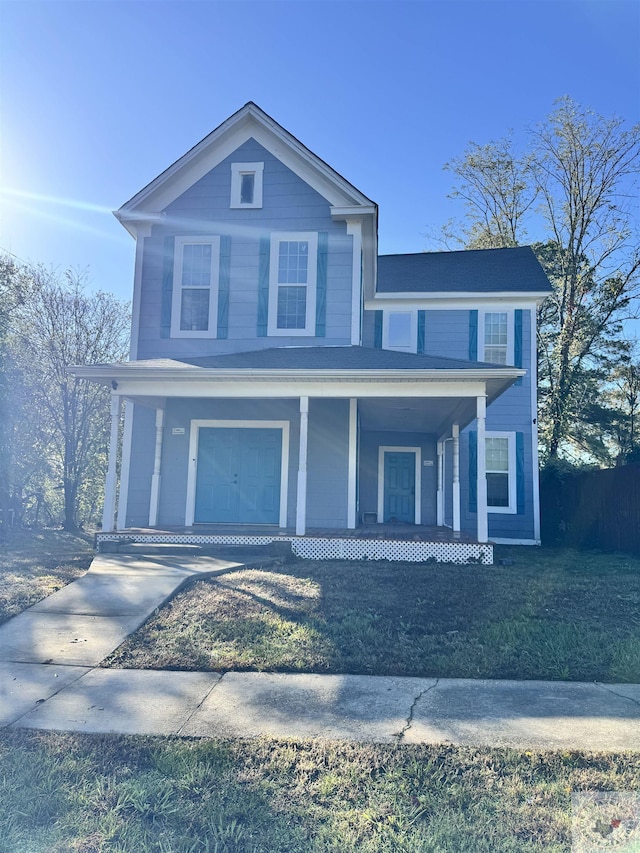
<point x="238" y="476"/>
<point x="399" y="486"/>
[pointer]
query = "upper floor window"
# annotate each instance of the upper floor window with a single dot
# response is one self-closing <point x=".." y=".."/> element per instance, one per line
<point x="495" y="341"/>
<point x="292" y="283"/>
<point x="399" y="331"/>
<point x="246" y="184"/>
<point x="195" y="287"/>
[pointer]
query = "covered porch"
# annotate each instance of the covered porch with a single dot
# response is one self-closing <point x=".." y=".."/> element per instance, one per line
<point x="366" y="458"/>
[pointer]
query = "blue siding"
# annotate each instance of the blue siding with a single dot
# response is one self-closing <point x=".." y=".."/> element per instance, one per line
<point x="370" y="441"/>
<point x="327" y="463"/>
<point x="175" y="450"/>
<point x="289" y="204"/>
<point x="141" y="469"/>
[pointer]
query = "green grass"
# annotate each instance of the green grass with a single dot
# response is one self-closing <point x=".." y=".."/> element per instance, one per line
<point x="550" y="614"/>
<point x="33" y="564"/>
<point x="61" y="793"/>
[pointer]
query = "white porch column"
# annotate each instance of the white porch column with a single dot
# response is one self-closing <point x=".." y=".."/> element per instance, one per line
<point x="440" y="491"/>
<point x="455" y="432"/>
<point x="483" y="524"/>
<point x="353" y="464"/>
<point x="155" y="477"/>
<point x="110" y="486"/>
<point x="301" y="501"/>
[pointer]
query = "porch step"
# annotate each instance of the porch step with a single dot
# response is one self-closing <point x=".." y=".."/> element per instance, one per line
<point x="127" y="546"/>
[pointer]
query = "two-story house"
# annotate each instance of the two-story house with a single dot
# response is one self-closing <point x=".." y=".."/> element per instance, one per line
<point x="286" y="382"/>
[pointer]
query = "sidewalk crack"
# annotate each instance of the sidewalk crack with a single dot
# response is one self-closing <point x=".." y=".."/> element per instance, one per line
<point x="201" y="703"/>
<point x="400" y="735"/>
<point x="619" y="695"/>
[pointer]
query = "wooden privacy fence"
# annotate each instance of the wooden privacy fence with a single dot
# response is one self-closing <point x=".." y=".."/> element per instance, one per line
<point x="592" y="509"/>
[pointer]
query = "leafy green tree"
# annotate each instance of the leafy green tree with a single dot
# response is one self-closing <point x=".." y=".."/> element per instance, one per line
<point x="574" y="186"/>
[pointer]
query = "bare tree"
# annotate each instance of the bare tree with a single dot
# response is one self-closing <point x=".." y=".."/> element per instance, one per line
<point x="576" y="184"/>
<point x="67" y="418"/>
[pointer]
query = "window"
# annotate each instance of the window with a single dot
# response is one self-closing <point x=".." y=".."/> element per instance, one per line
<point x="292" y="283"/>
<point x="246" y="184"/>
<point x="399" y="331"/>
<point x="195" y="287"/>
<point x="496" y="337"/>
<point x="500" y="466"/>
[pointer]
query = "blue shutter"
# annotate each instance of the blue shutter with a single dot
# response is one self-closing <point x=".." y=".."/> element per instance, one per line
<point x="520" y="473"/>
<point x="263" y="287"/>
<point x="473" y="335"/>
<point x="421" y="330"/>
<point x="223" y="286"/>
<point x="473" y="471"/>
<point x="517" y="340"/>
<point x="321" y="285"/>
<point x="167" y="287"/>
<point x="377" y="329"/>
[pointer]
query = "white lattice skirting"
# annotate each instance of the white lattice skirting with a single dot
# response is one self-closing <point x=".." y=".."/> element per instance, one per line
<point x="339" y="548"/>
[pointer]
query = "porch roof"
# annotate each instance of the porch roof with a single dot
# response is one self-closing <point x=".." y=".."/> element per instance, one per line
<point x="312" y="361"/>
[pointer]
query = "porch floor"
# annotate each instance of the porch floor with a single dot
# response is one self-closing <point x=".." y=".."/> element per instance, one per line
<point x="393" y="532"/>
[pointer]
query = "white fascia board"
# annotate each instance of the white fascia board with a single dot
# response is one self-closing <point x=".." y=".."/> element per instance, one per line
<point x="443" y="300"/>
<point x="353" y="211"/>
<point x="106" y="374"/>
<point x="250" y="122"/>
<point x="301" y="388"/>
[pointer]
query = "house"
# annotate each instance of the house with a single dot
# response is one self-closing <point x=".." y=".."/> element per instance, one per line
<point x="286" y="382"/>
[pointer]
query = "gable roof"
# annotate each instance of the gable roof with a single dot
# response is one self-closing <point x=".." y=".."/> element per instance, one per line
<point x="484" y="271"/>
<point x="249" y="122"/>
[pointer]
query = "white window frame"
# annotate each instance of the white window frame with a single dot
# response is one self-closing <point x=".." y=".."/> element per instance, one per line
<point x="176" y="297"/>
<point x="413" y="333"/>
<point x="237" y="171"/>
<point x="512" y="508"/>
<point x="497" y="309"/>
<point x="312" y="274"/>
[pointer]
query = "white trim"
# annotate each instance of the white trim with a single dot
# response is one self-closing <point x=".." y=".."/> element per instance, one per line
<point x="417" y="500"/>
<point x="482" y="518"/>
<point x="496" y="309"/>
<point x="440" y="300"/>
<point x="352" y="464"/>
<point x="137" y="292"/>
<point x="440" y="484"/>
<point x="535" y="462"/>
<point x="125" y="466"/>
<point x="278" y="237"/>
<point x="412" y="345"/>
<point x="111" y="479"/>
<point x="176" y="298"/>
<point x="193" y="461"/>
<point x="512" y="509"/>
<point x="496" y="540"/>
<point x="354" y="229"/>
<point x="237" y="171"/>
<point x="455" y="477"/>
<point x="154" y="502"/>
<point x="303" y="452"/>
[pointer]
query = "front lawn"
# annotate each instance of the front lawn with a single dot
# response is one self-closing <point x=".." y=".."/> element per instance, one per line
<point x="69" y="792"/>
<point x="35" y="563"/>
<point x="546" y="614"/>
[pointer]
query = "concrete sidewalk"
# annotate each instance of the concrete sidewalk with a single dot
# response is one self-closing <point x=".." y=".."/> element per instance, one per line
<point x="49" y="679"/>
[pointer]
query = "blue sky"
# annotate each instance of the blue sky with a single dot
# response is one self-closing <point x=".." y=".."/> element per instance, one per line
<point x="98" y="97"/>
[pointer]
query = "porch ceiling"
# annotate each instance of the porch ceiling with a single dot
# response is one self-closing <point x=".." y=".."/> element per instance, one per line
<point x="432" y="415"/>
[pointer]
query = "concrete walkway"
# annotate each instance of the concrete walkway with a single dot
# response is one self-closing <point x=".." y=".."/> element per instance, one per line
<point x="50" y="679"/>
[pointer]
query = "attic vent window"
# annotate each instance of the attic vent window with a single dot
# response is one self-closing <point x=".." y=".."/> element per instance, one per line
<point x="246" y="185"/>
